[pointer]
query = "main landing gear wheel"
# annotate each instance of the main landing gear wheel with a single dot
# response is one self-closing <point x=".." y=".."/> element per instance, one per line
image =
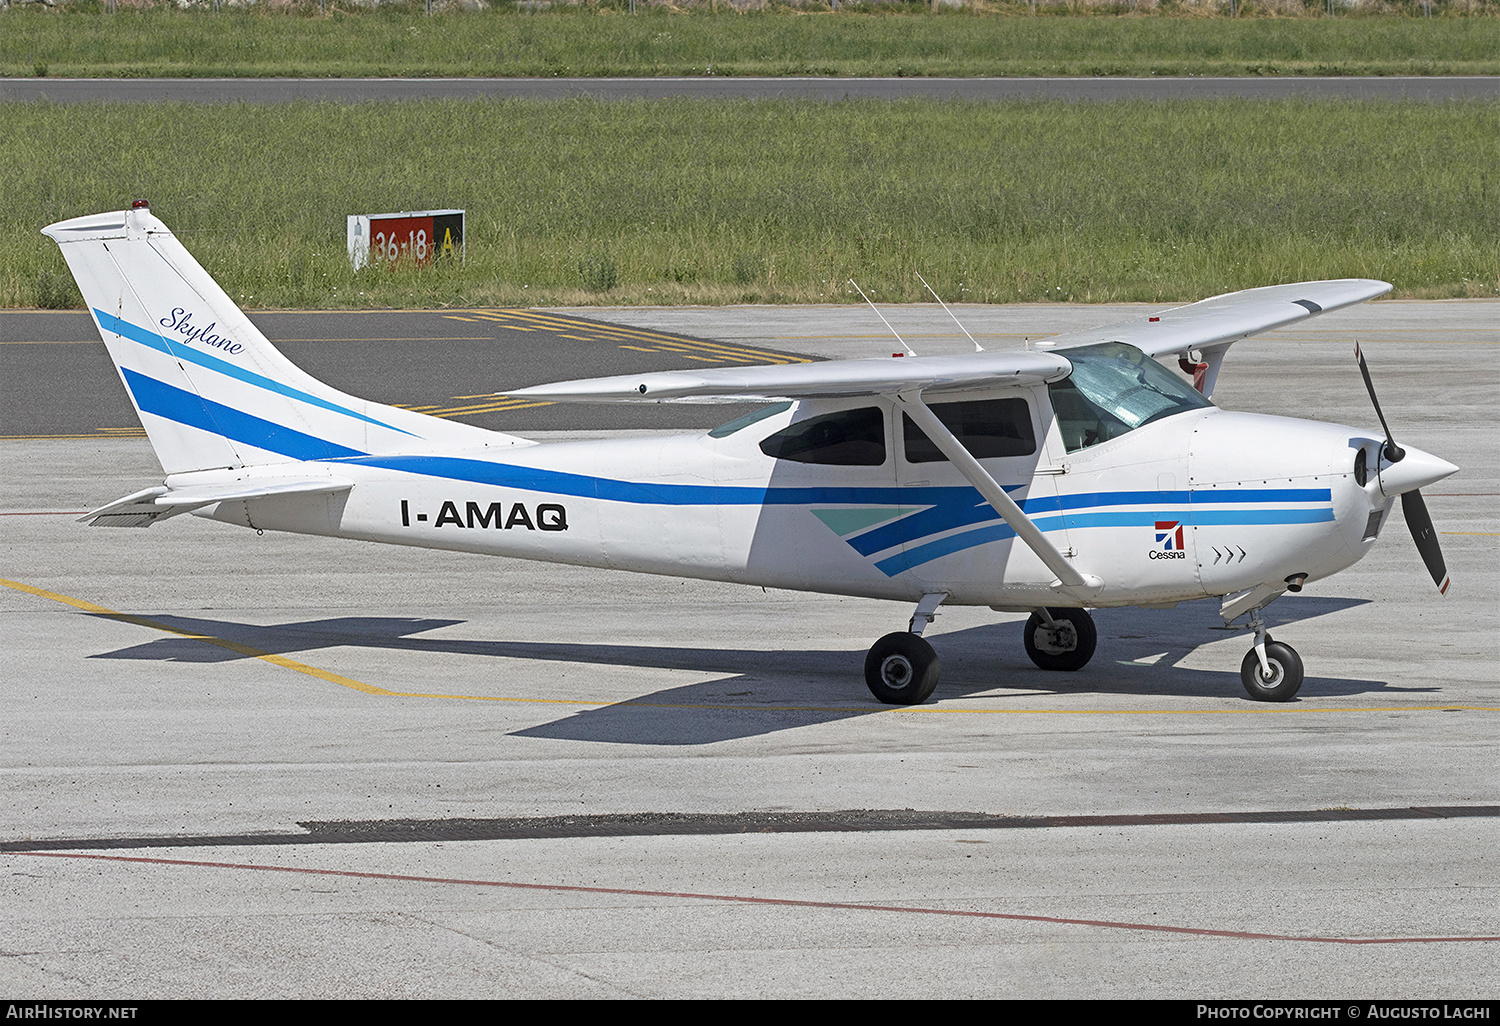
<point x="1285" y="677"/>
<point x="1067" y="644"/>
<point x="901" y="669"/>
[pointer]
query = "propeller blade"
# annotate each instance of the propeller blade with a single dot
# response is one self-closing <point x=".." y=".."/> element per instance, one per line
<point x="1393" y="452"/>
<point x="1417" y="519"/>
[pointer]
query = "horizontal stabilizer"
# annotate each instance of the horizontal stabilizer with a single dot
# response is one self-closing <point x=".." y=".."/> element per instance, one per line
<point x="929" y="374"/>
<point x="146" y="507"/>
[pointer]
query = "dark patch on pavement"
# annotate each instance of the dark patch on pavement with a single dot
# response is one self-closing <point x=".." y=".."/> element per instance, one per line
<point x="658" y="824"/>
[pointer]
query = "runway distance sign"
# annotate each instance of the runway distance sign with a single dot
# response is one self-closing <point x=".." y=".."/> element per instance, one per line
<point x="411" y="237"/>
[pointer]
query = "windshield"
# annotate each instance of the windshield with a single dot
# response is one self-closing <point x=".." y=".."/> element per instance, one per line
<point x="1115" y="388"/>
<point x="753" y="417"/>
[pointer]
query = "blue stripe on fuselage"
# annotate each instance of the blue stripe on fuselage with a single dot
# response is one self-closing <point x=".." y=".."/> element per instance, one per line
<point x="963" y="497"/>
<point x="175" y="404"/>
<point x="893" y="565"/>
<point x="954" y="514"/>
<point x="560" y="482"/>
<point x="934" y="509"/>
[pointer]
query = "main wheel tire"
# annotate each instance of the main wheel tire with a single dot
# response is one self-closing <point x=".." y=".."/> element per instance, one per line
<point x="901" y="669"/>
<point x="1068" y="646"/>
<point x="1285" y="678"/>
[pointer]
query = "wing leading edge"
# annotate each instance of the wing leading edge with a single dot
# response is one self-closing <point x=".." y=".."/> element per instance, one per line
<point x="835" y="378"/>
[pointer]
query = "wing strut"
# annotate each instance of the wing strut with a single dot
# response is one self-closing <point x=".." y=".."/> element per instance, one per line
<point x="1069" y="581"/>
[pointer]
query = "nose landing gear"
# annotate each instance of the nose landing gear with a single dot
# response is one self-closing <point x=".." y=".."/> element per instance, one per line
<point x="1281" y="678"/>
<point x="1271" y="671"/>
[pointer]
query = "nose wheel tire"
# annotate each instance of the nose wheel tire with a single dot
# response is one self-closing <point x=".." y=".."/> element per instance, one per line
<point x="1285" y="677"/>
<point x="1067" y="645"/>
<point x="901" y="669"/>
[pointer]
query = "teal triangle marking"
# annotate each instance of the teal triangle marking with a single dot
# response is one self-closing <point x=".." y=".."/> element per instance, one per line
<point x="847" y="521"/>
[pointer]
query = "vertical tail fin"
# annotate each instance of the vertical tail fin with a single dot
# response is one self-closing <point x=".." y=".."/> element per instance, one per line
<point x="210" y="390"/>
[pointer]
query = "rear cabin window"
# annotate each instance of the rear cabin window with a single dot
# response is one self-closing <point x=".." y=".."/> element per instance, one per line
<point x="848" y="438"/>
<point x="987" y="428"/>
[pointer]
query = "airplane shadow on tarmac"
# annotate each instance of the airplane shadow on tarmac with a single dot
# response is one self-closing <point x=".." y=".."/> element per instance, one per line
<point x="761" y="692"/>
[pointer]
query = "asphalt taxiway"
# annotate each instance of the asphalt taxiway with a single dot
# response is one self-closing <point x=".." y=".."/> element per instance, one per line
<point x="271" y="766"/>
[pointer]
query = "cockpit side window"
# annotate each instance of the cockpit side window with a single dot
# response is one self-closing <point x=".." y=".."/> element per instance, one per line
<point x="1113" y="389"/>
<point x="846" y="438"/>
<point x="986" y="427"/>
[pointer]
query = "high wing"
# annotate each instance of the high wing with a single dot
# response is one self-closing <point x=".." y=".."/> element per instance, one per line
<point x="1210" y="326"/>
<point x="835" y="378"/>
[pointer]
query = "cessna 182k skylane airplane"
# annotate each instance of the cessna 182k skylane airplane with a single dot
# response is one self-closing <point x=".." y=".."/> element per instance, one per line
<point x="1080" y="473"/>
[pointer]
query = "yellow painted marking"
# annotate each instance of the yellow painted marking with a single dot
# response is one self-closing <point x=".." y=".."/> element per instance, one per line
<point x="495" y="407"/>
<point x="641" y="349"/>
<point x="554" y="321"/>
<point x="369" y="689"/>
<point x="1481" y="534"/>
<point x="728" y="355"/>
<point x="233" y="646"/>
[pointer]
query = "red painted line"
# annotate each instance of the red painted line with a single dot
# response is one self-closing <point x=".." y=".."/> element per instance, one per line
<point x="785" y="902"/>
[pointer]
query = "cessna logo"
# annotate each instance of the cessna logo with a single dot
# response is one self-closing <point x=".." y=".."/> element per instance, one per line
<point x="545" y="516"/>
<point x="1168" y="540"/>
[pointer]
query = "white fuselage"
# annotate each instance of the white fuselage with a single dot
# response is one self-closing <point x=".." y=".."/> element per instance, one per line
<point x="1202" y="503"/>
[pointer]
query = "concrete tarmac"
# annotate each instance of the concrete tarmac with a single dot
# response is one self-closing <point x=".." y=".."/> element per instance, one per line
<point x="212" y="690"/>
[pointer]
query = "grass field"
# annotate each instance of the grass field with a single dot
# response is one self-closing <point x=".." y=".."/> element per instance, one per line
<point x="775" y="201"/>
<point x="904" y="41"/>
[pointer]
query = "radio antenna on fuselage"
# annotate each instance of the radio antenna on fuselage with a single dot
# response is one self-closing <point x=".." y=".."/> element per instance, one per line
<point x="909" y="350"/>
<point x="977" y="347"/>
